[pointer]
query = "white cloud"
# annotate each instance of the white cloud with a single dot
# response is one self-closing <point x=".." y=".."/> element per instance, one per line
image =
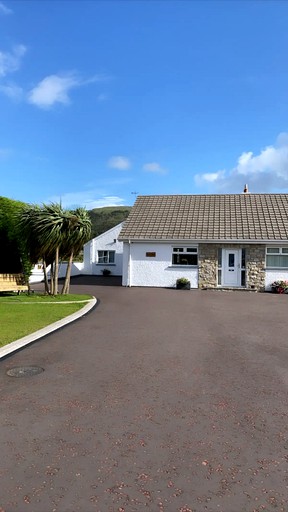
<point x="119" y="162"/>
<point x="13" y="91"/>
<point x="5" y="10"/>
<point x="10" y="61"/>
<point x="55" y="89"/>
<point x="209" y="177"/>
<point x="266" y="171"/>
<point x="86" y="199"/>
<point x="154" y="167"/>
<point x="52" y="89"/>
<point x="105" y="201"/>
<point x="272" y="159"/>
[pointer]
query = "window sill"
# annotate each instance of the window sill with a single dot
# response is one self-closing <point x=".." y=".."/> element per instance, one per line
<point x="277" y="268"/>
<point x="183" y="266"/>
<point x="105" y="264"/>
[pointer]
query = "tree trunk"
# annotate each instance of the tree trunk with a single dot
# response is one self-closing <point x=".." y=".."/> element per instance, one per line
<point x="56" y="271"/>
<point x="66" y="285"/>
<point x="52" y="278"/>
<point x="45" y="277"/>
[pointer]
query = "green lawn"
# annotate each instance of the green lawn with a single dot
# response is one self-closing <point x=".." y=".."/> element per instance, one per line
<point x="23" y="314"/>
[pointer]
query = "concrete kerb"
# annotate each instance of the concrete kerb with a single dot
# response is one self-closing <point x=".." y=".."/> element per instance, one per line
<point x="26" y="340"/>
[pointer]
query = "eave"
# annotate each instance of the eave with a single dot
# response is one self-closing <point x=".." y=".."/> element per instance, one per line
<point x="204" y="241"/>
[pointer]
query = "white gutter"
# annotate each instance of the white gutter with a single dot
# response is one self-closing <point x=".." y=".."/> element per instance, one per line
<point x="92" y="255"/>
<point x="220" y="241"/>
<point x="129" y="264"/>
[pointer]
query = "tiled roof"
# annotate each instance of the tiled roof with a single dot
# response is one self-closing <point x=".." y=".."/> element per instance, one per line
<point x="208" y="217"/>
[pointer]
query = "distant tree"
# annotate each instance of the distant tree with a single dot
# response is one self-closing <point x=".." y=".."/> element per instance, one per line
<point x="13" y="257"/>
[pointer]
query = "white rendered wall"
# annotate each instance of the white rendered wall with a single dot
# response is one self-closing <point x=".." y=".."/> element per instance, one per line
<point x="87" y="257"/>
<point x="108" y="241"/>
<point x="154" y="271"/>
<point x="272" y="275"/>
<point x="76" y="269"/>
<point x="125" y="273"/>
<point x="37" y="275"/>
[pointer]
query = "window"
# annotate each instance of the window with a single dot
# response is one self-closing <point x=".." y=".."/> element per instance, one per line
<point x="185" y="256"/>
<point x="277" y="257"/>
<point x="105" y="257"/>
<point x="231" y="260"/>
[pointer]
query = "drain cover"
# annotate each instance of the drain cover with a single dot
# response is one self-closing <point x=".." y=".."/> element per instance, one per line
<point x="25" y="371"/>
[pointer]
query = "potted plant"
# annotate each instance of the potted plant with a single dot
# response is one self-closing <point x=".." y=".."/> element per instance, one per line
<point x="106" y="272"/>
<point x="279" y="286"/>
<point x="183" y="283"/>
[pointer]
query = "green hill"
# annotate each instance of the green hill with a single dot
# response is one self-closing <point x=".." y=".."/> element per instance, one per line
<point x="106" y="218"/>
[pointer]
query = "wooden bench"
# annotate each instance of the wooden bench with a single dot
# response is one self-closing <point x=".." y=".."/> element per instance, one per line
<point x="13" y="283"/>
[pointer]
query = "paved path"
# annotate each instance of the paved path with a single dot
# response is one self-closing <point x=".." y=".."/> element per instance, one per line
<point x="158" y="400"/>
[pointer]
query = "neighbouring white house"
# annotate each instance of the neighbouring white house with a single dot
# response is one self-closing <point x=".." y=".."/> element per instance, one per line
<point x="104" y="252"/>
<point x="219" y="240"/>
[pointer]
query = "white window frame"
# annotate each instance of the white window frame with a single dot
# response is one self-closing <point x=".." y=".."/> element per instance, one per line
<point x="106" y="258"/>
<point x="184" y="250"/>
<point x="277" y="251"/>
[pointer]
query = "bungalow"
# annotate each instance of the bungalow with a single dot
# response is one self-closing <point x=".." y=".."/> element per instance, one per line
<point x="104" y="252"/>
<point x="229" y="241"/>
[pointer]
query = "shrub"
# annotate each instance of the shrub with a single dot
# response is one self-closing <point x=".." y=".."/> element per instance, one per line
<point x="183" y="283"/>
<point x="106" y="272"/>
<point x="279" y="286"/>
<point x="182" y="280"/>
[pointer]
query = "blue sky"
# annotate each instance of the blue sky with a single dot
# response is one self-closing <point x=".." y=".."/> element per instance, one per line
<point x="103" y="99"/>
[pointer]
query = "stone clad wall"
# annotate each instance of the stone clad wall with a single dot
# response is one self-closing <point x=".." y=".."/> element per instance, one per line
<point x="255" y="266"/>
<point x="208" y="265"/>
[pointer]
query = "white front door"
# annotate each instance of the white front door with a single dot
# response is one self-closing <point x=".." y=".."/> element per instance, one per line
<point x="231" y="262"/>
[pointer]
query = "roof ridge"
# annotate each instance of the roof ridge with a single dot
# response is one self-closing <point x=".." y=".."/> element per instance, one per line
<point x="216" y="195"/>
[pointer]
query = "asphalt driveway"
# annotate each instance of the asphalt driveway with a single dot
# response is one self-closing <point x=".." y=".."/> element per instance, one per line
<point x="158" y="400"/>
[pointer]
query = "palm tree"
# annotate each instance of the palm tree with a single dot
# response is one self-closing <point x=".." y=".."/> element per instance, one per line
<point x="54" y="226"/>
<point x="50" y="232"/>
<point x="78" y="233"/>
<point x="44" y="229"/>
